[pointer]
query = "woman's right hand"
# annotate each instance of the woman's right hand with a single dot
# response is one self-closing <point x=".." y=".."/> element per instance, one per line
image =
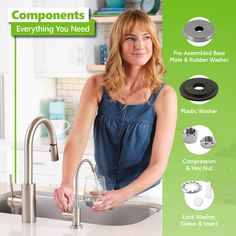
<point x="63" y="196"/>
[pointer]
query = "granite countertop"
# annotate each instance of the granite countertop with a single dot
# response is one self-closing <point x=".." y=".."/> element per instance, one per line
<point x="11" y="224"/>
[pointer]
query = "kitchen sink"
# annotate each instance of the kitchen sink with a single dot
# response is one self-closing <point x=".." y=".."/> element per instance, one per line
<point x="129" y="213"/>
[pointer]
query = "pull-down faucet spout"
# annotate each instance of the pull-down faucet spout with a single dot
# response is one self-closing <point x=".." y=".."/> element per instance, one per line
<point x="28" y="187"/>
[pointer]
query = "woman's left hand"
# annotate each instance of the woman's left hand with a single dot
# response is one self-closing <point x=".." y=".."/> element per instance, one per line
<point x="111" y="199"/>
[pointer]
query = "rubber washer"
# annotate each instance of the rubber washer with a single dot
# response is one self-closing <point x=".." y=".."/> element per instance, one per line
<point x="189" y="89"/>
<point x="199" y="31"/>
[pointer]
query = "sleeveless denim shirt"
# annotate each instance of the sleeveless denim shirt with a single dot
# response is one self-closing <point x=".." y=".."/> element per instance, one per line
<point x="123" y="137"/>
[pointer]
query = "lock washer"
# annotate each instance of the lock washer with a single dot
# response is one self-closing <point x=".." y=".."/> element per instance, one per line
<point x="199" y="31"/>
<point x="191" y="187"/>
<point x="189" y="89"/>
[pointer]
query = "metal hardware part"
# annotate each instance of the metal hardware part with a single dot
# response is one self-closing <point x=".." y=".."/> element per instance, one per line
<point x="14" y="200"/>
<point x="208" y="193"/>
<point x="198" y="201"/>
<point x="198" y="89"/>
<point x="191" y="187"/>
<point x="28" y="188"/>
<point x="199" y="31"/>
<point x="208" y="142"/>
<point x="75" y="215"/>
<point x="189" y="135"/>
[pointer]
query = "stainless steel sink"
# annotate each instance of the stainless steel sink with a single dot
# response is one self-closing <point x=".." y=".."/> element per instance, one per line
<point x="124" y="215"/>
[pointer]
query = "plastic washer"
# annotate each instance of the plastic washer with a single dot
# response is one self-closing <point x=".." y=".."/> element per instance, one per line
<point x="188" y="89"/>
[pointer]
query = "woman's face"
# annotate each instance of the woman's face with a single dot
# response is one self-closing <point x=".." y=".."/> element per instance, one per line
<point x="137" y="47"/>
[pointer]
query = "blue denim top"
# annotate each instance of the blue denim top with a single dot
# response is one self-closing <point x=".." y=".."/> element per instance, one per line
<point x="123" y="137"/>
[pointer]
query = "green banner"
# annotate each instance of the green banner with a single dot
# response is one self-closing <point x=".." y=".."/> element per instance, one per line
<point x="209" y="207"/>
<point x="53" y="29"/>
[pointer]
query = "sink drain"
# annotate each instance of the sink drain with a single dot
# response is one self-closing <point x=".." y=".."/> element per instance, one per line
<point x="199" y="31"/>
<point x="198" y="89"/>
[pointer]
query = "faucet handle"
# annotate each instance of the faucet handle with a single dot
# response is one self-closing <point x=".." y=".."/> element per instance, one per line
<point x="11" y="184"/>
<point x="13" y="200"/>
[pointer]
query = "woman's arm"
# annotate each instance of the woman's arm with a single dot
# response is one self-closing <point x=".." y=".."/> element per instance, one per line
<point x="166" y="109"/>
<point x="77" y="140"/>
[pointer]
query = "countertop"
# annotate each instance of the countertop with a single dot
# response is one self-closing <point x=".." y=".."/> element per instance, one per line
<point x="11" y="225"/>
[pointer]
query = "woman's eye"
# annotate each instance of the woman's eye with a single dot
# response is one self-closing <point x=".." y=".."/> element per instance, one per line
<point x="130" y="38"/>
<point x="147" y="37"/>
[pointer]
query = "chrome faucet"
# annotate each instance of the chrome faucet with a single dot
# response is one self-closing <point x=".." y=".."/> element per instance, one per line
<point x="75" y="215"/>
<point x="28" y="199"/>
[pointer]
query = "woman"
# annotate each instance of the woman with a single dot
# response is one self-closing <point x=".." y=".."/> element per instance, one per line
<point x="133" y="112"/>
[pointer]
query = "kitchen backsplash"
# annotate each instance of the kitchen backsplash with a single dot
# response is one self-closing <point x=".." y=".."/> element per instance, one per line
<point x="70" y="90"/>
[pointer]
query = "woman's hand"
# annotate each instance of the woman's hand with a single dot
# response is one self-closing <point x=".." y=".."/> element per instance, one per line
<point x="111" y="199"/>
<point x="63" y="197"/>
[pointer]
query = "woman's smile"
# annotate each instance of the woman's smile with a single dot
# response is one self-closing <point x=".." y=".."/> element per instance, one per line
<point x="137" y="47"/>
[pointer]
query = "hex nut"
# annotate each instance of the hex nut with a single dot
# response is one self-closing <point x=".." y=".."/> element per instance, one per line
<point x="208" y="142"/>
<point x="189" y="135"/>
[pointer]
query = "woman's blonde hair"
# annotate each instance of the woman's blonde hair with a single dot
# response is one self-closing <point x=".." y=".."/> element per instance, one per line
<point x="115" y="77"/>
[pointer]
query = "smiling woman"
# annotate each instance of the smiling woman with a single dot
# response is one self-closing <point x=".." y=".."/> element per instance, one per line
<point x="142" y="40"/>
<point x="149" y="51"/>
<point x="133" y="112"/>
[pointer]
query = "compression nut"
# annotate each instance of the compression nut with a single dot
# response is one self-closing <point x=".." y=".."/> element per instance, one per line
<point x="189" y="135"/>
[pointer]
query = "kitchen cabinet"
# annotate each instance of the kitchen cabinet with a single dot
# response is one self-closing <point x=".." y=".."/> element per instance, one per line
<point x="78" y="57"/>
<point x="4" y="38"/>
<point x="45" y="171"/>
<point x="5" y="160"/>
<point x="7" y="90"/>
<point x="65" y="56"/>
<point x="6" y="41"/>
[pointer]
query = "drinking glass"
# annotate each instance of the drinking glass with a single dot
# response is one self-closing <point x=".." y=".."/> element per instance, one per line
<point x="94" y="188"/>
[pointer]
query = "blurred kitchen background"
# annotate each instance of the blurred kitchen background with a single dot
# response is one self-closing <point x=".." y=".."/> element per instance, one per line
<point x="50" y="72"/>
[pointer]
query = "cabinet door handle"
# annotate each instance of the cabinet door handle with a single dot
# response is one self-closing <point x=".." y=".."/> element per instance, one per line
<point x="80" y="54"/>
